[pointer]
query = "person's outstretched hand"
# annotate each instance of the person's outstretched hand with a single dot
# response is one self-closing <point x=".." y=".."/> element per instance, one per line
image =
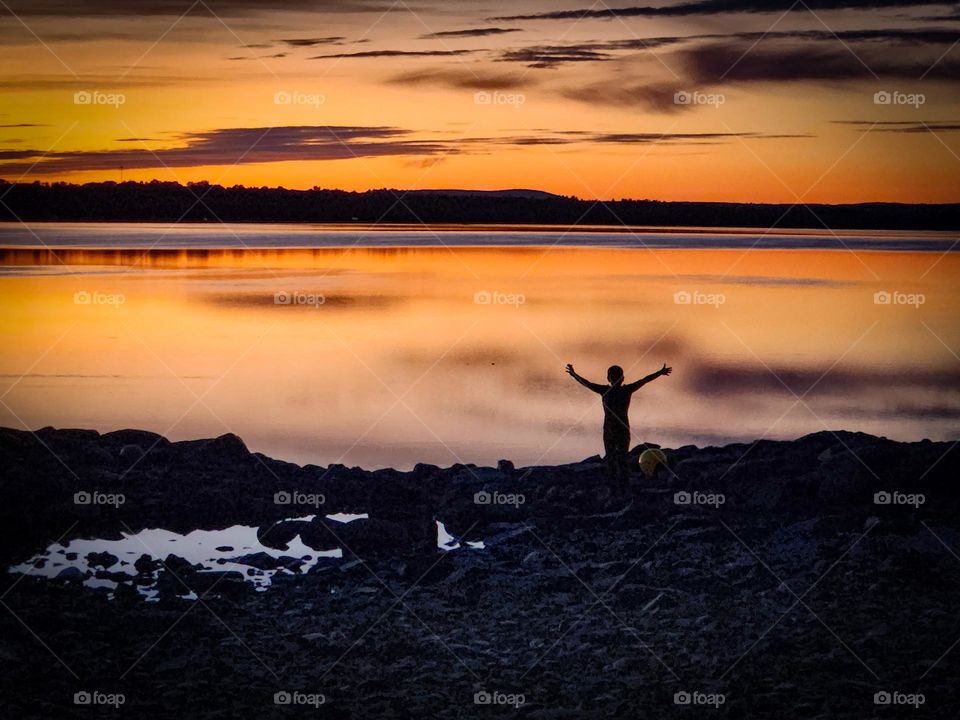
<point x="666" y="370"/>
<point x="570" y="369"/>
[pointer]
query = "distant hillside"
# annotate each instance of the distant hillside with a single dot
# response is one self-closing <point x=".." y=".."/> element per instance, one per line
<point x="201" y="202"/>
<point x="515" y="193"/>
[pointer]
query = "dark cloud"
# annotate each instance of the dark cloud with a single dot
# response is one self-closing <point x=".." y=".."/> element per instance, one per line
<point x="722" y="380"/>
<point x="464" y="79"/>
<point x="657" y="97"/>
<point x="176" y="8"/>
<point x="903" y="126"/>
<point x="236" y="146"/>
<point x="550" y="56"/>
<point x="470" y="33"/>
<point x="107" y="83"/>
<point x="231" y="146"/>
<point x="393" y="53"/>
<point x="313" y="42"/>
<point x="737" y="62"/>
<point x="683" y="138"/>
<point x="576" y="137"/>
<point x="259" y="57"/>
<point x="724" y="7"/>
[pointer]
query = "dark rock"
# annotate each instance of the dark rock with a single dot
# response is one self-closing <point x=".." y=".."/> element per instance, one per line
<point x="145" y="564"/>
<point x="71" y="573"/>
<point x="262" y="561"/>
<point x="101" y="559"/>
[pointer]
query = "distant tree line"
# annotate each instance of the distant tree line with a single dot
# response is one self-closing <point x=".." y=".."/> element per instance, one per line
<point x="157" y="201"/>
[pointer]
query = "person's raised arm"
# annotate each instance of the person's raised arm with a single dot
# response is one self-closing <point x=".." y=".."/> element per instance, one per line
<point x="586" y="383"/>
<point x="634" y="386"/>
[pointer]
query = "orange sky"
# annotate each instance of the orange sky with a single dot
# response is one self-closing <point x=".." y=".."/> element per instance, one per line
<point x="782" y="106"/>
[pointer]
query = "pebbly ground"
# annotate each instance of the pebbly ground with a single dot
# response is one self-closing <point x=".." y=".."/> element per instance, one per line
<point x="783" y="588"/>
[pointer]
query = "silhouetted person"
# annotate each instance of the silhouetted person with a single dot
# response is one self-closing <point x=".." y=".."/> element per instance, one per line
<point x="616" y="423"/>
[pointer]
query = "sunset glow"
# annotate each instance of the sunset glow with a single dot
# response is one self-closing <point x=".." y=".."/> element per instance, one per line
<point x="818" y="103"/>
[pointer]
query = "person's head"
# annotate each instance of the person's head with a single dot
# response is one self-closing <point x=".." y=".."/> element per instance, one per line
<point x="615" y="375"/>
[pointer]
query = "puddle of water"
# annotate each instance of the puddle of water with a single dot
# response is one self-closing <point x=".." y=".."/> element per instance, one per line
<point x="348" y="517"/>
<point x="446" y="541"/>
<point x="214" y="550"/>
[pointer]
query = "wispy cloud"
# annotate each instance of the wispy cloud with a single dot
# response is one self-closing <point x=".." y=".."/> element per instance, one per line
<point x="176" y="8"/>
<point x="314" y="41"/>
<point x="464" y="79"/>
<point x="231" y="146"/>
<point x="903" y="126"/>
<point x="469" y="33"/>
<point x="721" y="7"/>
<point x="554" y="55"/>
<point x="393" y="53"/>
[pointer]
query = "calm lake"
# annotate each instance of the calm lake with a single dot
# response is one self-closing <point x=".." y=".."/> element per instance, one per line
<point x="387" y="347"/>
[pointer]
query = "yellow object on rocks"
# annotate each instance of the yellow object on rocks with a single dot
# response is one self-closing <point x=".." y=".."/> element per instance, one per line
<point x="650" y="459"/>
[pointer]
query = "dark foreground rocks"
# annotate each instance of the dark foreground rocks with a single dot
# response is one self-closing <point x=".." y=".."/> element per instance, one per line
<point x="816" y="578"/>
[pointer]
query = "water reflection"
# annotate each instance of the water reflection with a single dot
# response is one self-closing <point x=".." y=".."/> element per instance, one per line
<point x="440" y="354"/>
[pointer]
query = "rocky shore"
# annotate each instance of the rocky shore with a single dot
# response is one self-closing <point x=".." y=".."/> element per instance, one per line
<point x="814" y="578"/>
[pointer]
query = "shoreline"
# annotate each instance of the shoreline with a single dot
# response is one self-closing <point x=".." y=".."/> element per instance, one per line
<point x="788" y="596"/>
<point x="145" y="466"/>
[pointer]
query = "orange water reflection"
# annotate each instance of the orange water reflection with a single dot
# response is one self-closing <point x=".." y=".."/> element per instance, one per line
<point x="403" y="361"/>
